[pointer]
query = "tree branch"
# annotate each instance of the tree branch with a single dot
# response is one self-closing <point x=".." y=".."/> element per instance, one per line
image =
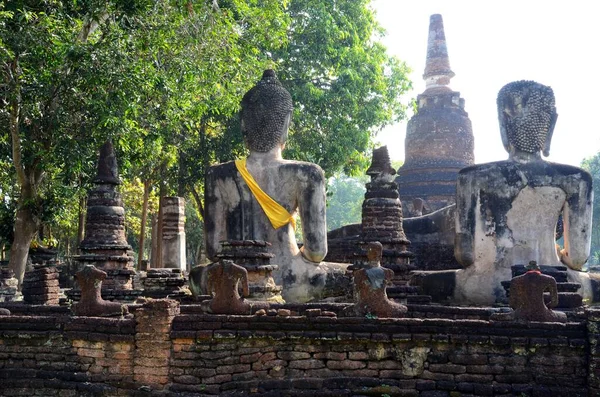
<point x="198" y="201"/>
<point x="15" y="114"/>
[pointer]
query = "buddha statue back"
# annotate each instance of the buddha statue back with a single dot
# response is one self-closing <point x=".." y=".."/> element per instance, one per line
<point x="235" y="212"/>
<point x="507" y="211"/>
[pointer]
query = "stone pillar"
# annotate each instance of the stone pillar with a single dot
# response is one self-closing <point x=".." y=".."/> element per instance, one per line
<point x="40" y="285"/>
<point x="153" y="342"/>
<point x="173" y="233"/>
<point x="154" y="241"/>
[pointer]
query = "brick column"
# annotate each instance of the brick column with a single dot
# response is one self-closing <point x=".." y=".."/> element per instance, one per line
<point x="153" y="342"/>
<point x="593" y="326"/>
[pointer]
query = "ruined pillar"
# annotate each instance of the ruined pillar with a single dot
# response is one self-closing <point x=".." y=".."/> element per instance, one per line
<point x="173" y="233"/>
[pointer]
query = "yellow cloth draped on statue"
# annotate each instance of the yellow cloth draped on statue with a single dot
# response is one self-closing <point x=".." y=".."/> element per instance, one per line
<point x="278" y="215"/>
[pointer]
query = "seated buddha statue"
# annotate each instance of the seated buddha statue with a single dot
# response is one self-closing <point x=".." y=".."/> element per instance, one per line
<point x="507" y="211"/>
<point x="258" y="198"/>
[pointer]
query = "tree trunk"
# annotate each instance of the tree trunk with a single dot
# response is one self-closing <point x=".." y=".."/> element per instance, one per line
<point x="81" y="226"/>
<point x="198" y="201"/>
<point x="28" y="179"/>
<point x="144" y="221"/>
<point x="159" y="232"/>
<point x="26" y="226"/>
<point x="181" y="173"/>
<point x="154" y="240"/>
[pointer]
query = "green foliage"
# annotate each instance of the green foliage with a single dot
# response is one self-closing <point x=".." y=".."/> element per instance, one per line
<point x="344" y="85"/>
<point x="163" y="79"/>
<point x="132" y="192"/>
<point x="592" y="165"/>
<point x="345" y="198"/>
<point x="146" y="74"/>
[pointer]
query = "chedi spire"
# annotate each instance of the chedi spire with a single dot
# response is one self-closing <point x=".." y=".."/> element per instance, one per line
<point x="437" y="68"/>
<point x="439" y="137"/>
<point x="108" y="170"/>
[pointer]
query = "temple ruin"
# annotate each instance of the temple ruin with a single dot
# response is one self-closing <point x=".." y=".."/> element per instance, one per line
<point x="371" y="334"/>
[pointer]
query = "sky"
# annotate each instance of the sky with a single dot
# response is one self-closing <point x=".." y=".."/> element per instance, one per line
<point x="491" y="43"/>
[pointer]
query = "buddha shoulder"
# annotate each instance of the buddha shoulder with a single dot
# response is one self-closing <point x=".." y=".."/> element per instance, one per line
<point x="304" y="170"/>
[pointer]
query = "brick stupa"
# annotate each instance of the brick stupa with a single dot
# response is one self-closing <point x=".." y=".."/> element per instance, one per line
<point x="105" y="245"/>
<point x="382" y="222"/>
<point x="439" y="138"/>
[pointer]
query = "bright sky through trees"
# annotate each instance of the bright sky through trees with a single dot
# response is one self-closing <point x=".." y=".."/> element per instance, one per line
<point x="492" y="43"/>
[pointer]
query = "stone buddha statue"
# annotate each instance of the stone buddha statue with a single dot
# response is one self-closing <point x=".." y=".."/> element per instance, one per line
<point x="527" y="297"/>
<point x="507" y="211"/>
<point x="259" y="197"/>
<point x="223" y="282"/>
<point x="370" y="285"/>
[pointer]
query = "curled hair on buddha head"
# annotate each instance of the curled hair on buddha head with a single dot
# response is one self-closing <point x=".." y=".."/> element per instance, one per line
<point x="527" y="115"/>
<point x="266" y="112"/>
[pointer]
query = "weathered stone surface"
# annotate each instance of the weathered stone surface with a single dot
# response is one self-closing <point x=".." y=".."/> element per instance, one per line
<point x="527" y="297"/>
<point x="40" y="285"/>
<point x="165" y="283"/>
<point x="173" y="233"/>
<point x="223" y="279"/>
<point x="91" y="303"/>
<point x="8" y="285"/>
<point x="105" y="245"/>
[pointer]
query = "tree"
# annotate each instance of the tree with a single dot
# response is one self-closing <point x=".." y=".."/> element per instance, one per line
<point x="344" y="85"/>
<point x="38" y="43"/>
<point x="592" y="165"/>
<point x="75" y="73"/>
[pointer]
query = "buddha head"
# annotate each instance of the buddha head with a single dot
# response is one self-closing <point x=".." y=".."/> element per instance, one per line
<point x="266" y="114"/>
<point x="374" y="252"/>
<point x="527" y="116"/>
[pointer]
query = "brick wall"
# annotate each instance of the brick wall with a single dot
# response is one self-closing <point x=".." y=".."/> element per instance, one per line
<point x="195" y="354"/>
<point x="216" y="354"/>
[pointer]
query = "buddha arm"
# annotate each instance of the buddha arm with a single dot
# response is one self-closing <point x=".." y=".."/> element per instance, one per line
<point x="214" y="216"/>
<point x="389" y="276"/>
<point x="577" y="220"/>
<point x="553" y="294"/>
<point x="311" y="203"/>
<point x="243" y="274"/>
<point x="466" y="198"/>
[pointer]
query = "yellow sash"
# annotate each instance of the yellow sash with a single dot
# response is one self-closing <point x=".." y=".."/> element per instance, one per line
<point x="278" y="215"/>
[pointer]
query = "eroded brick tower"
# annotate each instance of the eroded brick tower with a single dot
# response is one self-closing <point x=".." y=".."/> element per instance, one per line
<point x="439" y="138"/>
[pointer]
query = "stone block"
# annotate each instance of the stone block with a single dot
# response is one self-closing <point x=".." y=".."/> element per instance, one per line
<point x="292" y="355"/>
<point x="346" y="364"/>
<point x="358" y="355"/>
<point x="307" y="364"/>
<point x="448" y="368"/>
